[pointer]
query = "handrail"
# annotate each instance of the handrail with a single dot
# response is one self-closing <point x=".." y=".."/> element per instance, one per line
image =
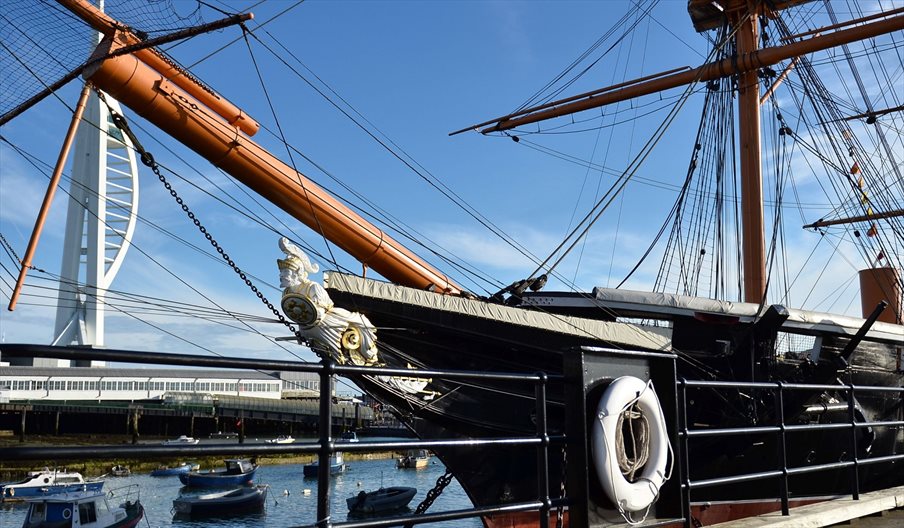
<point x="325" y="447"/>
<point x="784" y="471"/>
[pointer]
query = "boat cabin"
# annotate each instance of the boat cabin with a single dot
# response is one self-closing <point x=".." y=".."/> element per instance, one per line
<point x="238" y="466"/>
<point x="86" y="509"/>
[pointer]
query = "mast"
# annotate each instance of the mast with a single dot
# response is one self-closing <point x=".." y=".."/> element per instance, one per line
<point x="706" y="14"/>
<point x="208" y="124"/>
<point x="753" y="246"/>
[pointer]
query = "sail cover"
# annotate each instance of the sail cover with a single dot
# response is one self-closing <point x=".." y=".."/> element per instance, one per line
<point x="624" y="334"/>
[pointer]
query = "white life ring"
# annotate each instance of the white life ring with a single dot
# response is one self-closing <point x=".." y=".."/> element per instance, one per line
<point x="67" y="513"/>
<point x="621" y="394"/>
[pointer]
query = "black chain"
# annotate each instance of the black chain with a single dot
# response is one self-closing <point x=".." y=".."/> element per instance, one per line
<point x="560" y="511"/>
<point x="9" y="248"/>
<point x="148" y="160"/>
<point x="444" y="480"/>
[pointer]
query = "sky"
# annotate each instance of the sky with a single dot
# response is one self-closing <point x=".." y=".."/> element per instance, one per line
<point x="410" y="73"/>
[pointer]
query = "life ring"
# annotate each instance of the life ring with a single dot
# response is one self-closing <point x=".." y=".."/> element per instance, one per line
<point x="622" y="394"/>
<point x="67" y="513"/>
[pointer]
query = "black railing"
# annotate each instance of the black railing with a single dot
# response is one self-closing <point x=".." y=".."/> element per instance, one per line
<point x="326" y="446"/>
<point x="782" y="430"/>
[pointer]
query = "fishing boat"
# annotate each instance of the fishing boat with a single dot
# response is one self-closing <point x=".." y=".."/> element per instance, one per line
<point x="238" y="472"/>
<point x="282" y="439"/>
<point x="166" y="471"/>
<point x="120" y="471"/>
<point x="222" y="504"/>
<point x="337" y="466"/>
<point x="389" y="499"/>
<point x="86" y="509"/>
<point x="181" y="441"/>
<point x="717" y="299"/>
<point x="48" y="482"/>
<point x="413" y="459"/>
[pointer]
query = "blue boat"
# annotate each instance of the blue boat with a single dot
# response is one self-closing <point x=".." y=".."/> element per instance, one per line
<point x="48" y="482"/>
<point x="165" y="471"/>
<point x="238" y="472"/>
<point x="336" y="466"/>
<point x="88" y="509"/>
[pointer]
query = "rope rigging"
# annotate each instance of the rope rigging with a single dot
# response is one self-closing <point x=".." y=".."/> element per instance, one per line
<point x="582" y="228"/>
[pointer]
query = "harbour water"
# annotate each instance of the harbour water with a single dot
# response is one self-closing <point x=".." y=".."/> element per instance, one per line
<point x="287" y="504"/>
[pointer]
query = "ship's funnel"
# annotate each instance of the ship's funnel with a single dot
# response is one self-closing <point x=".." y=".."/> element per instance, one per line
<point x="877" y="285"/>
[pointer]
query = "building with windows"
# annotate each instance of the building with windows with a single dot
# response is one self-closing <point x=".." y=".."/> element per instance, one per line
<point x="130" y="384"/>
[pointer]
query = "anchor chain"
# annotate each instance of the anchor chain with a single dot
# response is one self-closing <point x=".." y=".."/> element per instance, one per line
<point x="560" y="511"/>
<point x="148" y="160"/>
<point x="444" y="480"/>
<point x="9" y="247"/>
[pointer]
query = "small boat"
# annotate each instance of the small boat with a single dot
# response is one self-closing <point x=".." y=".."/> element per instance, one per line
<point x="414" y="459"/>
<point x="85" y="509"/>
<point x="47" y="482"/>
<point x="350" y="436"/>
<point x="238" y="472"/>
<point x="182" y="440"/>
<point x="381" y="500"/>
<point x="120" y="471"/>
<point x="336" y="466"/>
<point x="185" y="467"/>
<point x="230" y="502"/>
<point x="281" y="439"/>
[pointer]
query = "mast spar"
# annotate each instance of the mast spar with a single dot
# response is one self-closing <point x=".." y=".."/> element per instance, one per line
<point x="211" y="126"/>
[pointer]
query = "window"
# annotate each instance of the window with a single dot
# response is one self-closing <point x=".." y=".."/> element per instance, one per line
<point x="86" y="513"/>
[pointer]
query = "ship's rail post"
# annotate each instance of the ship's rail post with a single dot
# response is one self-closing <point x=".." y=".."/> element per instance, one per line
<point x="326" y="442"/>
<point x="782" y="446"/>
<point x="542" y="451"/>
<point x="855" y="469"/>
<point x="683" y="449"/>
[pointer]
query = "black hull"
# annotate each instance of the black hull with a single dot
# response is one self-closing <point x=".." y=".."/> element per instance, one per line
<point x="438" y="340"/>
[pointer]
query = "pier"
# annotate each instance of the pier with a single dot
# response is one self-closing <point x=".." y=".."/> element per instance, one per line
<point x="192" y="414"/>
<point x="883" y="508"/>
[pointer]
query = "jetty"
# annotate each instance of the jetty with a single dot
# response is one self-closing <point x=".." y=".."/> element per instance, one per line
<point x="883" y="508"/>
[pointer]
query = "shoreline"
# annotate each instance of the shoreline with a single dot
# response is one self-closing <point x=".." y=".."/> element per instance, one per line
<point x="12" y="470"/>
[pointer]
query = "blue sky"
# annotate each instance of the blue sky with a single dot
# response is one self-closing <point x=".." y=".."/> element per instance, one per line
<point x="416" y="71"/>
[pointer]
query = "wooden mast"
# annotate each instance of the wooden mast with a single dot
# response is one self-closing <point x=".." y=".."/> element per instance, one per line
<point x="753" y="246"/>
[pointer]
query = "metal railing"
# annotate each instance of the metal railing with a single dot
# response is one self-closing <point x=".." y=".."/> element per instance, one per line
<point x="782" y="431"/>
<point x="326" y="446"/>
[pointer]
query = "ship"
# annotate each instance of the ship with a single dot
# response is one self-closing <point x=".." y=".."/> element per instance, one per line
<point x="723" y="324"/>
